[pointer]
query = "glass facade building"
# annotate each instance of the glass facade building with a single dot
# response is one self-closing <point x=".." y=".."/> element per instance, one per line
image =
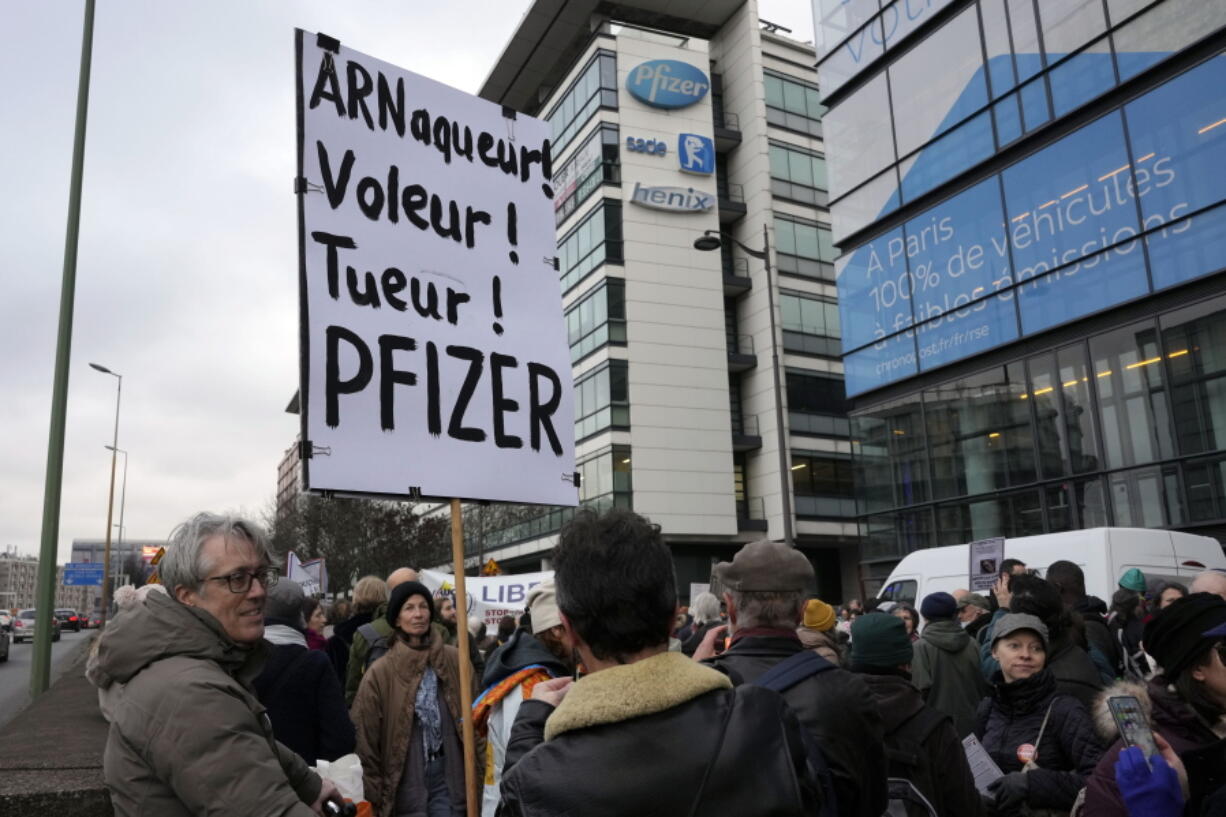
<point x="1030" y="212"/>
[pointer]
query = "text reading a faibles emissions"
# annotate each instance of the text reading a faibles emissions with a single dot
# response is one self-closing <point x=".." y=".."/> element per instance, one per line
<point x="377" y="201"/>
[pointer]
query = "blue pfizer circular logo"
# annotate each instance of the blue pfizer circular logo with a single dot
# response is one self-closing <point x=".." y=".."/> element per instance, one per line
<point x="667" y="83"/>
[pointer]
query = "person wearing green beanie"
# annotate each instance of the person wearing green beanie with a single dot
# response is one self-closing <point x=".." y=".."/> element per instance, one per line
<point x="881" y="652"/>
<point x="1133" y="579"/>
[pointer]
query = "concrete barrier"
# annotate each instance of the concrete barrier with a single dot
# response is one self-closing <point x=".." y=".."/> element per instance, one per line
<point x="52" y="758"/>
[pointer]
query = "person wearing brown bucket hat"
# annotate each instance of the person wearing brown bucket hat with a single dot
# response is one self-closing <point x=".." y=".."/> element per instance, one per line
<point x="1185" y="702"/>
<point x="764" y="588"/>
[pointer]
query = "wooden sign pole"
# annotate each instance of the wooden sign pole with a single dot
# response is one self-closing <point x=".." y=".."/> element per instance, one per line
<point x="472" y="798"/>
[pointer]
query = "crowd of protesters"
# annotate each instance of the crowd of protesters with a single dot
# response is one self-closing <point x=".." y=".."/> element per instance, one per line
<point x="225" y="684"/>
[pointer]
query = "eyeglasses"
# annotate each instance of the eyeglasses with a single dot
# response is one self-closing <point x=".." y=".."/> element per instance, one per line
<point x="240" y="580"/>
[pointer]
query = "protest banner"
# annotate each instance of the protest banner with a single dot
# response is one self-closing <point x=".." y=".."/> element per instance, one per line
<point x="434" y="357"/>
<point x="490" y="597"/>
<point x="434" y="353"/>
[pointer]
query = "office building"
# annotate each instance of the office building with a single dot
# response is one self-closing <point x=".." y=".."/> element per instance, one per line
<point x="19" y="588"/>
<point x="1026" y="195"/>
<point x="671" y="120"/>
<point x="289" y="478"/>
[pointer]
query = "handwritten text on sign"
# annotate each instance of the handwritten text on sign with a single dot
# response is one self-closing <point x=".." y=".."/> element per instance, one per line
<point x="435" y="350"/>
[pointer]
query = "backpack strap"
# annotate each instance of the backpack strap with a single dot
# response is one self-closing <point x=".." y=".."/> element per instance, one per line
<point x="785" y="675"/>
<point x="369" y="632"/>
<point x="792" y="670"/>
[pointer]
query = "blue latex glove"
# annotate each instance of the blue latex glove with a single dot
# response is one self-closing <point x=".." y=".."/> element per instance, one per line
<point x="1148" y="793"/>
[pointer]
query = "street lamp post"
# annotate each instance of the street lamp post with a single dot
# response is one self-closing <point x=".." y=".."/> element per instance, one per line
<point x="110" y="505"/>
<point x="123" y="494"/>
<point x="713" y="240"/>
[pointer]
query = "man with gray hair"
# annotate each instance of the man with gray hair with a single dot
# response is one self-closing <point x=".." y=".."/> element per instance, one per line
<point x="765" y="587"/>
<point x="1211" y="581"/>
<point x="187" y="734"/>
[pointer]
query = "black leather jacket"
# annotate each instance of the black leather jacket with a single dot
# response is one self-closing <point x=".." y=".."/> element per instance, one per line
<point x="838" y="709"/>
<point x="655" y="764"/>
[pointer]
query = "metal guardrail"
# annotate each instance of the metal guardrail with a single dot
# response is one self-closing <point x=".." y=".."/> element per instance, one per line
<point x="740" y="344"/>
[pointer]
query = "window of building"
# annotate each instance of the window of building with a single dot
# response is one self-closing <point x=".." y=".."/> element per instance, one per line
<point x="797" y="174"/>
<point x="816" y="404"/>
<point x="859" y="132"/>
<point x="793" y="104"/>
<point x="597" y="320"/>
<point x="938" y="83"/>
<point x="1128" y="376"/>
<point x="595" y="88"/>
<point x="595" y="241"/>
<point x="594" y="163"/>
<point x="1194" y="341"/>
<point x="823" y="485"/>
<point x="804" y="248"/>
<point x="890" y="453"/>
<point x="980" y="433"/>
<point x="1205" y="488"/>
<point x="1146" y="497"/>
<point x="1070" y="24"/>
<point x="605" y="479"/>
<point x="946" y="157"/>
<point x="1065" y="432"/>
<point x="602" y="400"/>
<point x="1011" y="515"/>
<point x="810" y="324"/>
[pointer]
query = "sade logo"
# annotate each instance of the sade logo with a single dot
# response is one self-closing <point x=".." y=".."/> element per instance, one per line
<point x="667" y="83"/>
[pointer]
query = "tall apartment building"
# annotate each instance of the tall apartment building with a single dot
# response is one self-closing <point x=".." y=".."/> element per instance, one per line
<point x="1027" y="196"/>
<point x="671" y="120"/>
<point x="19" y="589"/>
<point x="289" y="476"/>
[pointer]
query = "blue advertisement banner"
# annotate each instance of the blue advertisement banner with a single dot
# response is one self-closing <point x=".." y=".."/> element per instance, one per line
<point x="1061" y="234"/>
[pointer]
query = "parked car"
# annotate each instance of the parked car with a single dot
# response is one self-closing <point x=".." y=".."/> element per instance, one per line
<point x="4" y="646"/>
<point x="69" y="620"/>
<point x="6" y="621"/>
<point x="23" y="626"/>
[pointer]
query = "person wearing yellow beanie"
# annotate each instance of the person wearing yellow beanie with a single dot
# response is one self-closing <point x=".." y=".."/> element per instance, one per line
<point x="817" y="633"/>
<point x="819" y="615"/>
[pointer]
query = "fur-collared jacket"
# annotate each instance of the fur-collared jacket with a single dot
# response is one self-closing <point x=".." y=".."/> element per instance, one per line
<point x="1168" y="715"/>
<point x="659" y="736"/>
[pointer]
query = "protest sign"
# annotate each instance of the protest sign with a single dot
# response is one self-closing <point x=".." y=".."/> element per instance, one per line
<point x="986" y="556"/>
<point x="490" y="597"/>
<point x="311" y="574"/>
<point x="434" y="352"/>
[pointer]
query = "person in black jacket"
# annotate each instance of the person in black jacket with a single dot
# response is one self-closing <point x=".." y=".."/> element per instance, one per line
<point x="298" y="686"/>
<point x="646" y="731"/>
<point x="1070" y="580"/>
<point x="766" y="585"/>
<point x="1044" y="741"/>
<point x="921" y="743"/>
<point x="1066" y="658"/>
<point x="368" y="595"/>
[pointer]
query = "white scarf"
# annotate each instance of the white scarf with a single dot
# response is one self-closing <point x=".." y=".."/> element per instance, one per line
<point x="280" y="634"/>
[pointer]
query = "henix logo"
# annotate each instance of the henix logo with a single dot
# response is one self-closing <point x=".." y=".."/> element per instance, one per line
<point x="697" y="153"/>
<point x="667" y="83"/>
<point x="675" y="199"/>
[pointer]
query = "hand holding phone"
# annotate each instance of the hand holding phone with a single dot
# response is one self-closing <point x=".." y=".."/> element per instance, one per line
<point x="1133" y="725"/>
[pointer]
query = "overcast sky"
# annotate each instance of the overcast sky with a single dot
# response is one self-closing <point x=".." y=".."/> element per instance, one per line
<point x="187" y="271"/>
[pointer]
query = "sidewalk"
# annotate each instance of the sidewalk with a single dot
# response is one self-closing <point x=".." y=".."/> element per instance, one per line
<point x="52" y="759"/>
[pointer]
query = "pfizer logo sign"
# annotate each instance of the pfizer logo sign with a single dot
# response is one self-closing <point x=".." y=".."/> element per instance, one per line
<point x="667" y="83"/>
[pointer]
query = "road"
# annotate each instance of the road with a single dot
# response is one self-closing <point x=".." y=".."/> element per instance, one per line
<point x="15" y="673"/>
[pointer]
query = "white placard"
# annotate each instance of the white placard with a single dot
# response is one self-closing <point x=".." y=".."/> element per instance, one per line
<point x="490" y="597"/>
<point x="311" y="574"/>
<point x="986" y="556"/>
<point x="434" y="350"/>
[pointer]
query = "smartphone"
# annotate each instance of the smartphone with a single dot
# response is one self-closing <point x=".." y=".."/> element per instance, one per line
<point x="1134" y="727"/>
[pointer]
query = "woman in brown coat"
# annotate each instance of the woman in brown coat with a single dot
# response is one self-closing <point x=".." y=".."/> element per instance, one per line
<point x="407" y="713"/>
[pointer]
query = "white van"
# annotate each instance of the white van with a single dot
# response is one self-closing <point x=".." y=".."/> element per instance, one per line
<point x="1104" y="554"/>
